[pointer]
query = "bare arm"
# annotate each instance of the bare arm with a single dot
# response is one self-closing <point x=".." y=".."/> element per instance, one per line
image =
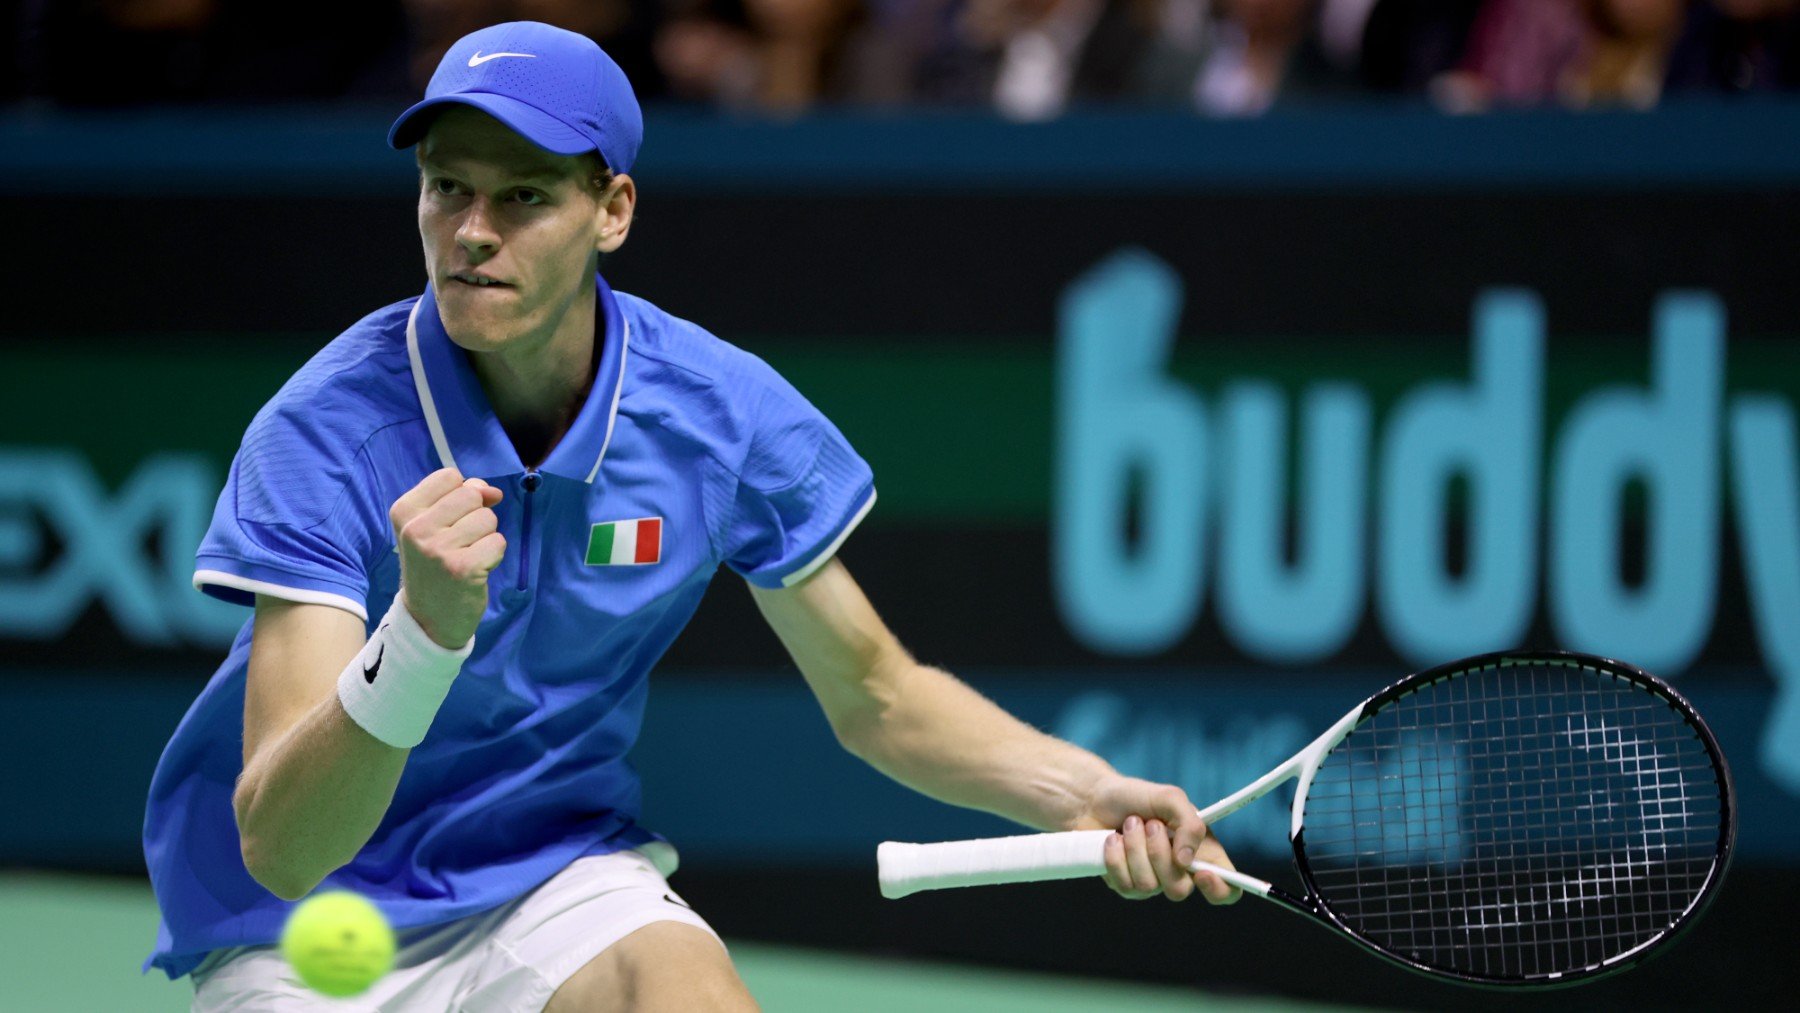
<point x="315" y="783"/>
<point x="931" y="732"/>
<point x="919" y="725"/>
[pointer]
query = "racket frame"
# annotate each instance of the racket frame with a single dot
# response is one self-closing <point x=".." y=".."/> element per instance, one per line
<point x="1312" y="904"/>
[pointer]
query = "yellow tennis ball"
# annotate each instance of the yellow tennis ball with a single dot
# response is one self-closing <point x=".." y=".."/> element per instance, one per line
<point x="338" y="943"/>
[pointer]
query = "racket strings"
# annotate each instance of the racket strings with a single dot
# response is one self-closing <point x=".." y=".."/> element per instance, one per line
<point x="1518" y="821"/>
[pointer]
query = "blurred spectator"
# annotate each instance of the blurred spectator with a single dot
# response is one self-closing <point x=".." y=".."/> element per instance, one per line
<point x="1627" y="53"/>
<point x="1576" y="52"/>
<point x="112" y="52"/>
<point x="1517" y="53"/>
<point x="1247" y="53"/>
<point x="1342" y="24"/>
<point x="1260" y="49"/>
<point x="778" y="56"/>
<point x="1026" y="59"/>
<point x="1182" y="34"/>
<point x="907" y="51"/>
<point x="1738" y="46"/>
<point x="706" y="52"/>
<point x="801" y="44"/>
<point x="125" y="51"/>
<point x="1049" y="53"/>
<point x="1406" y="44"/>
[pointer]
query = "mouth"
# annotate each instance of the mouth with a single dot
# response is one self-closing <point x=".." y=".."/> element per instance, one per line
<point x="473" y="279"/>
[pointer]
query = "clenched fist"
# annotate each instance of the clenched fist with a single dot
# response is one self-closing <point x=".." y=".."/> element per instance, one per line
<point x="449" y="542"/>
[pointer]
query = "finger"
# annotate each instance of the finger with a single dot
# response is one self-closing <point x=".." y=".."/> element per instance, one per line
<point x="450" y="508"/>
<point x="486" y="553"/>
<point x="489" y="494"/>
<point x="1214" y="889"/>
<point x="1118" y="868"/>
<point x="1172" y="807"/>
<point x="472" y="527"/>
<point x="1137" y="858"/>
<point x="1117" y="875"/>
<point x="1175" y="881"/>
<point x="429" y="490"/>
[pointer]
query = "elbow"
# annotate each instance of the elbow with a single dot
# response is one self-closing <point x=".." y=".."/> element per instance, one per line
<point x="863" y="730"/>
<point x="279" y="878"/>
<point x="855" y="736"/>
<point x="265" y="863"/>
<point x="866" y="722"/>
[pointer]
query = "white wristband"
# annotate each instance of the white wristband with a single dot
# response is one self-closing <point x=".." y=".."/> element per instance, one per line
<point x="394" y="687"/>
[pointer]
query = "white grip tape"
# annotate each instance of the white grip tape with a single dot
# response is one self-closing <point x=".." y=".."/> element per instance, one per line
<point x="1029" y="858"/>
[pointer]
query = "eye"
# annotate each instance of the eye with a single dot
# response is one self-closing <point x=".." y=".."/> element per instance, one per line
<point x="529" y="198"/>
<point x="443" y="186"/>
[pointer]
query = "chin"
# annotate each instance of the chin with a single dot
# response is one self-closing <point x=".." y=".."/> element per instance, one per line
<point x="472" y="337"/>
<point x="477" y="332"/>
<point x="477" y="324"/>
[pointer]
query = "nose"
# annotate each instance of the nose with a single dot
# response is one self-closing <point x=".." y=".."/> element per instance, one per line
<point x="476" y="233"/>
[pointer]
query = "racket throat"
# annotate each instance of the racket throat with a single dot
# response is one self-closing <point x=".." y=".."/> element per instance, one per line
<point x="1302" y="764"/>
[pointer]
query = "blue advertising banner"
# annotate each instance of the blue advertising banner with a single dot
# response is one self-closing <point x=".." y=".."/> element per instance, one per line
<point x="1180" y="484"/>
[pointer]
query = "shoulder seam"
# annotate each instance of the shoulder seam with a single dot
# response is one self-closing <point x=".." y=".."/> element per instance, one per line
<point x="337" y="504"/>
<point x="706" y="448"/>
<point x="648" y="353"/>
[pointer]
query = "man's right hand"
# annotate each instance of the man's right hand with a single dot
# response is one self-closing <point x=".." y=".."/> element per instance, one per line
<point x="449" y="542"/>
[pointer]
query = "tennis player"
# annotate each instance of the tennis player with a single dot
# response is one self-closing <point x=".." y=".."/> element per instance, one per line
<point x="469" y="527"/>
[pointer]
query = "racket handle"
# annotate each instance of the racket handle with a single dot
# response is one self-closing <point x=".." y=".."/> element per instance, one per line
<point x="1029" y="858"/>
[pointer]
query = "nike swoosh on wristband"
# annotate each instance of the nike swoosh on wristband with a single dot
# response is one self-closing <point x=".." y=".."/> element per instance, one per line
<point x="477" y="60"/>
<point x="371" y="671"/>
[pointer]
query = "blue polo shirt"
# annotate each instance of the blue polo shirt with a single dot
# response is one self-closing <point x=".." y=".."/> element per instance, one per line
<point x="688" y="454"/>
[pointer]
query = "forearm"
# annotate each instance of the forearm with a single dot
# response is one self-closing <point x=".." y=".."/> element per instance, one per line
<point x="309" y="801"/>
<point x="933" y="733"/>
<point x="918" y="725"/>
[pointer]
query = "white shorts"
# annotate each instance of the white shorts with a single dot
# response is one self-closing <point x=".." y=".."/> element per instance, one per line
<point x="509" y="959"/>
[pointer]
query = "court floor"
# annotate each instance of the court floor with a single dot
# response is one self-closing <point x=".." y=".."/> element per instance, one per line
<point x="73" y="944"/>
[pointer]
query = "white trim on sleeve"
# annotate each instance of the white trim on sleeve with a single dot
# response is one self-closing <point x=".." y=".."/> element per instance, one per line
<point x="296" y="594"/>
<point x="825" y="554"/>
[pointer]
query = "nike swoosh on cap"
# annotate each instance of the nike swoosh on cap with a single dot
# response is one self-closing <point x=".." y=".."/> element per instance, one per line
<point x="477" y="60"/>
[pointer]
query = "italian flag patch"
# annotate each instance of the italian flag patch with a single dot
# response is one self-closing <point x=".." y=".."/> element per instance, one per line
<point x="625" y="543"/>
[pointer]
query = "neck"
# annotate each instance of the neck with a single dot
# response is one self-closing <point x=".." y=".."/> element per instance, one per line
<point x="538" y="384"/>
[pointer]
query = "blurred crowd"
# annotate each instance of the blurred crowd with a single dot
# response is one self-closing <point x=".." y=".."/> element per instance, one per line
<point x="1026" y="59"/>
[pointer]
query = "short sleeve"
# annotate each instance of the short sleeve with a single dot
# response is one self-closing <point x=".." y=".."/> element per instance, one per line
<point x="296" y="521"/>
<point x="801" y="492"/>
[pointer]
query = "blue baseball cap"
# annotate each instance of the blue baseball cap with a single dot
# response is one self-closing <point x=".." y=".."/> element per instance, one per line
<point x="557" y="89"/>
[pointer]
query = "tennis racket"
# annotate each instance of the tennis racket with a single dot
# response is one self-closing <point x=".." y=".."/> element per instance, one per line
<point x="1513" y="819"/>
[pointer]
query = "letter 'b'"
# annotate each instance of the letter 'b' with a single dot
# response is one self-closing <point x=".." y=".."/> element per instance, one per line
<point x="1121" y="421"/>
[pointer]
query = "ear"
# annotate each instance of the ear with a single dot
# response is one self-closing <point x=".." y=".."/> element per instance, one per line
<point x="613" y="217"/>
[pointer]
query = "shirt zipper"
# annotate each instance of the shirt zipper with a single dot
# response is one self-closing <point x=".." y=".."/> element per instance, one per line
<point x="530" y="482"/>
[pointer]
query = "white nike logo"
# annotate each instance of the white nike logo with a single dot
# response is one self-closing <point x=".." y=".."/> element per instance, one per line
<point x="477" y="60"/>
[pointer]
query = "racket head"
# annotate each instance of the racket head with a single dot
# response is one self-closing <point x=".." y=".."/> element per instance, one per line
<point x="1559" y="817"/>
